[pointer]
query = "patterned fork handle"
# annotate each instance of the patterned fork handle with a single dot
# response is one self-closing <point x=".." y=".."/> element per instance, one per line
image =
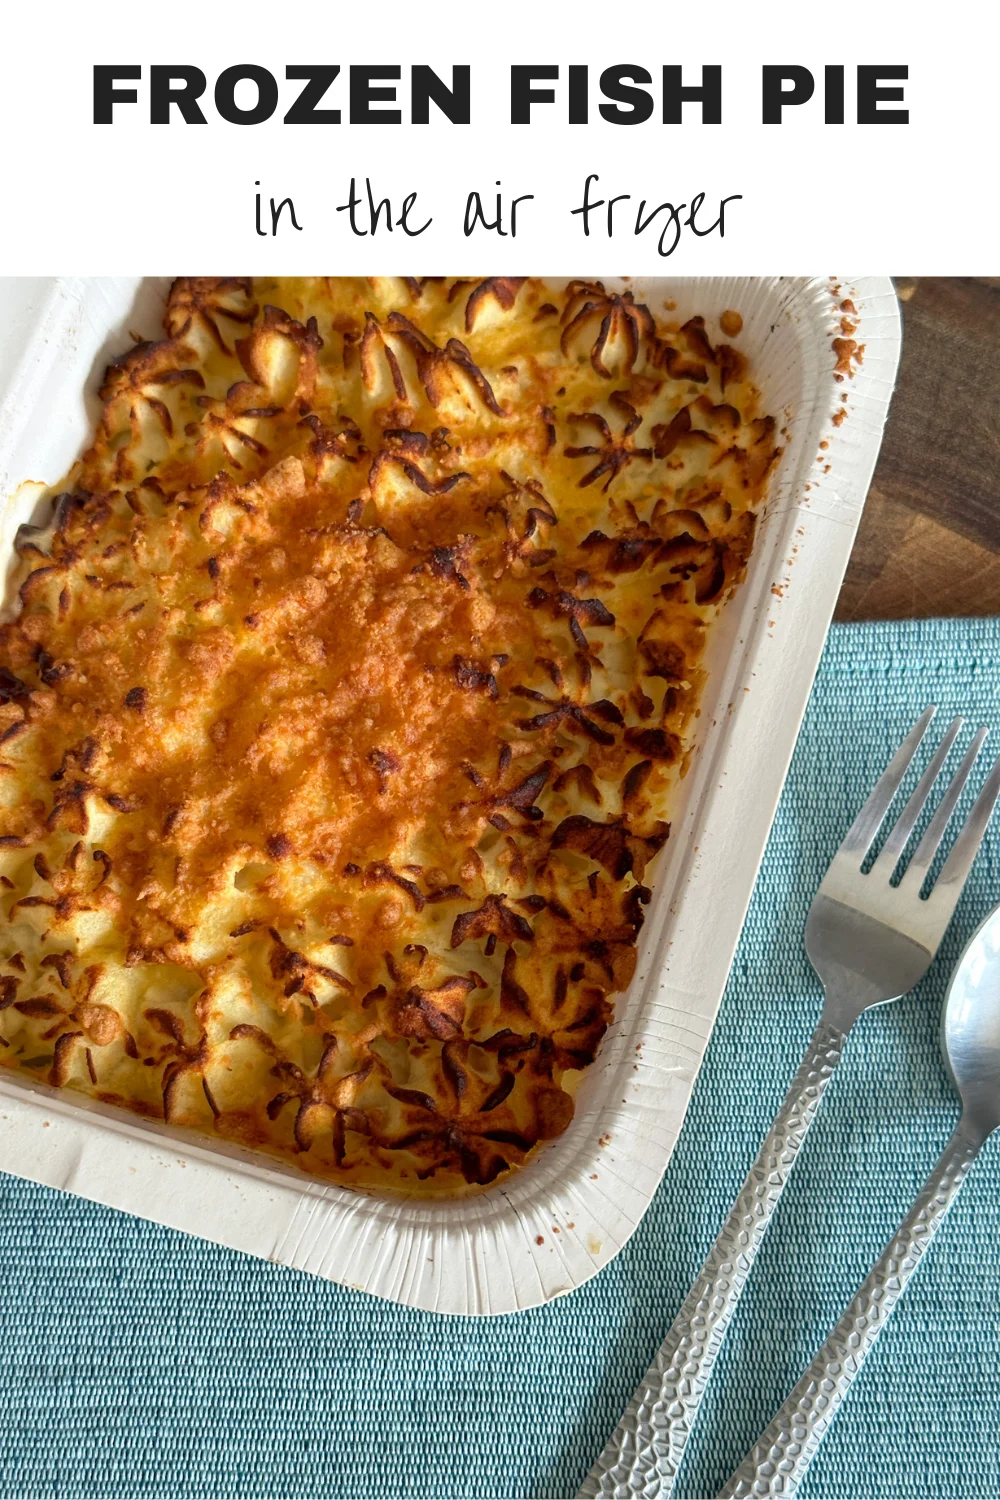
<point x="778" y="1460"/>
<point x="645" y="1450"/>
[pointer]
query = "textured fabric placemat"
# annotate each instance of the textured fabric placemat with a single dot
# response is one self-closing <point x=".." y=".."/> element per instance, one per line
<point x="135" y="1361"/>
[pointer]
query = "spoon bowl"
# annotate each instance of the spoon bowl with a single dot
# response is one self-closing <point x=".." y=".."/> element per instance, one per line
<point x="970" y="1029"/>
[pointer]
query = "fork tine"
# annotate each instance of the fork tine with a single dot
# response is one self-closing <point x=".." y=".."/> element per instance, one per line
<point x="959" y="862"/>
<point x="869" y="820"/>
<point x="899" y="837"/>
<point x="925" y="851"/>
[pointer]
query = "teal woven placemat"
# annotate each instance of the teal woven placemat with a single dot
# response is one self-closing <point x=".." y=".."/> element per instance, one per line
<point x="137" y="1362"/>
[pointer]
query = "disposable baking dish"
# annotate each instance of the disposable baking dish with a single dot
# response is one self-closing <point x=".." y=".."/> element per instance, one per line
<point x="494" y="1251"/>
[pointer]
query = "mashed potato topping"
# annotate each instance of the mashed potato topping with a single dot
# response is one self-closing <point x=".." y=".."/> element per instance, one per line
<point x="342" y="701"/>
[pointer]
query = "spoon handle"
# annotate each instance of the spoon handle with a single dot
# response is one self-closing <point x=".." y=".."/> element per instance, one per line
<point x="779" y="1459"/>
<point x="644" y="1452"/>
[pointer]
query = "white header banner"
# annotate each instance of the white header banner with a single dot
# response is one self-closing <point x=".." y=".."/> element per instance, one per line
<point x="543" y="138"/>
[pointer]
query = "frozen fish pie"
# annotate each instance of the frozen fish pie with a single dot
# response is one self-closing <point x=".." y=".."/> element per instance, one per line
<point x="342" y="700"/>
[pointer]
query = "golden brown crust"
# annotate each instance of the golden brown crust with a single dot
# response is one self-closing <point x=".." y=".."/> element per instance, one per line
<point x="342" y="705"/>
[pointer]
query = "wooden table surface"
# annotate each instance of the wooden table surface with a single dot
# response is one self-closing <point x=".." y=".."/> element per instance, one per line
<point x="929" y="541"/>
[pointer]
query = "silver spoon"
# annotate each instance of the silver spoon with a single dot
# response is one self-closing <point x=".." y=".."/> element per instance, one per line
<point x="970" y="1039"/>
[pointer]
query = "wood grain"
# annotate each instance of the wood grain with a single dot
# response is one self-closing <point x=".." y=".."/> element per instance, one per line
<point x="929" y="540"/>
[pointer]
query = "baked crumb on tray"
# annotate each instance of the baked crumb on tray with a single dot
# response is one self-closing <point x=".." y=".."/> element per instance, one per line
<point x="342" y="701"/>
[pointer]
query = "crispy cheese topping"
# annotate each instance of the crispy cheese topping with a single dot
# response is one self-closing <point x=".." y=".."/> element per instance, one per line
<point x="341" y="705"/>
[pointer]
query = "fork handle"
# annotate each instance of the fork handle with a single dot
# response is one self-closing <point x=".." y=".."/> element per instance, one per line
<point x="645" y="1450"/>
<point x="778" y="1460"/>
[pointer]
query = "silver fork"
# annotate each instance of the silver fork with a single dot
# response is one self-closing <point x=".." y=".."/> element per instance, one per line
<point x="869" y="941"/>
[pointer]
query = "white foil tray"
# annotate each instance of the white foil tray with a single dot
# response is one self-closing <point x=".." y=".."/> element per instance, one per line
<point x="495" y="1252"/>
